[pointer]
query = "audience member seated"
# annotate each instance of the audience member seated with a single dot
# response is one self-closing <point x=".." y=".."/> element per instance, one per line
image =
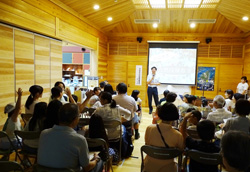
<point x="95" y="97"/>
<point x="111" y="111"/>
<point x="102" y="85"/>
<point x="156" y="118"/>
<point x="205" y="131"/>
<point x="57" y="94"/>
<point x="241" y="122"/>
<point x="62" y="147"/>
<point x="109" y="88"/>
<point x="36" y="92"/>
<point x="171" y="97"/>
<point x="206" y="109"/>
<point x="159" y="134"/>
<point x="229" y="100"/>
<point x="13" y="122"/>
<point x="235" y="148"/>
<point x="137" y="116"/>
<point x="52" y="114"/>
<point x="35" y="124"/>
<point x="220" y="113"/>
<point x="97" y="130"/>
<point x="188" y="103"/>
<point x="165" y="93"/>
<point x="192" y="118"/>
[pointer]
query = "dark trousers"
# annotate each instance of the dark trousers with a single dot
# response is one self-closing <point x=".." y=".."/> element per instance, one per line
<point x="152" y="91"/>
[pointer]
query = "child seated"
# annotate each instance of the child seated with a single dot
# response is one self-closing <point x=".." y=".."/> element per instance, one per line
<point x="205" y="131"/>
<point x="192" y="118"/>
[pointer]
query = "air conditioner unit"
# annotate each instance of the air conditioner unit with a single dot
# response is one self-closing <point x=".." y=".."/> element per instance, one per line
<point x="201" y="21"/>
<point x="147" y="21"/>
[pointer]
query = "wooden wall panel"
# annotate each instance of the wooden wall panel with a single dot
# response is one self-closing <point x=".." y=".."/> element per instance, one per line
<point x="42" y="65"/>
<point x="56" y="62"/>
<point x="24" y="61"/>
<point x="102" y="60"/>
<point x="246" y="68"/>
<point x="7" y="94"/>
<point x="117" y="72"/>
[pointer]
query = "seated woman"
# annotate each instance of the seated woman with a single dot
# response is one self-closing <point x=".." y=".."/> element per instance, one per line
<point x="205" y="129"/>
<point x="13" y="122"/>
<point x="241" y="122"/>
<point x="111" y="111"/>
<point x="109" y="88"/>
<point x="35" y="124"/>
<point x="156" y="133"/>
<point x="228" y="99"/>
<point x="36" y="92"/>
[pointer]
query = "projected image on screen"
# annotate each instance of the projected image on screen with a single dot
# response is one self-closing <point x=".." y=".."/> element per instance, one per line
<point x="174" y="65"/>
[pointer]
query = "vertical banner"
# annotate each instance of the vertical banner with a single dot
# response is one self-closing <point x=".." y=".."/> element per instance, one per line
<point x="138" y="75"/>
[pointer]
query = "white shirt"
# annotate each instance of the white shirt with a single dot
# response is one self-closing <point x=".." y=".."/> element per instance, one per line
<point x="242" y="87"/>
<point x="31" y="108"/>
<point x="156" y="80"/>
<point x="229" y="103"/>
<point x="218" y="115"/>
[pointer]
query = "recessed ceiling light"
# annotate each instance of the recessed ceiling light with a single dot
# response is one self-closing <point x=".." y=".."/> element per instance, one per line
<point x="245" y="18"/>
<point x="192" y="25"/>
<point x="155" y="25"/>
<point x="110" y="18"/>
<point x="96" y="7"/>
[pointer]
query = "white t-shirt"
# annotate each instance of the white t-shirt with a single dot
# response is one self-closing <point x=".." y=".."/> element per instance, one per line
<point x="31" y="108"/>
<point x="154" y="81"/>
<point x="229" y="103"/>
<point x="242" y="87"/>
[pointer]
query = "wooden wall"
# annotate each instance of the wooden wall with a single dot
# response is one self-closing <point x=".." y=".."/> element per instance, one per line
<point x="246" y="70"/>
<point x="225" y="52"/>
<point x="27" y="59"/>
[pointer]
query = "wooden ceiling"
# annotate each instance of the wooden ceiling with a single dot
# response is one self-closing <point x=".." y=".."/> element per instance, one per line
<point x="228" y="15"/>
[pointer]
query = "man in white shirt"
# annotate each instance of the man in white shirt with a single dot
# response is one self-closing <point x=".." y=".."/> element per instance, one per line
<point x="220" y="113"/>
<point x="153" y="80"/>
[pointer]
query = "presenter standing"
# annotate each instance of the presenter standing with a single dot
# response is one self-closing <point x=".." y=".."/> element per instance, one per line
<point x="153" y="80"/>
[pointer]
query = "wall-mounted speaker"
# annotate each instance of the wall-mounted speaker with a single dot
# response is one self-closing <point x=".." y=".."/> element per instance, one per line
<point x="83" y="49"/>
<point x="139" y="39"/>
<point x="208" y="40"/>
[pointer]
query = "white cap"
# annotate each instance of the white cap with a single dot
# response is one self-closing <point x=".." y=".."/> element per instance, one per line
<point x="9" y="107"/>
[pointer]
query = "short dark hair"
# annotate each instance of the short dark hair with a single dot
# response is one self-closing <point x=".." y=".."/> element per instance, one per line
<point x="245" y="78"/>
<point x="121" y="88"/>
<point x="190" y="98"/>
<point x="56" y="91"/>
<point x="230" y="93"/>
<point x="190" y="109"/>
<point x="238" y="96"/>
<point x="171" y="97"/>
<point x="58" y="83"/>
<point x="153" y="68"/>
<point x="134" y="94"/>
<point x="165" y="93"/>
<point x="109" y="88"/>
<point x="242" y="107"/>
<point x="196" y="114"/>
<point x="68" y="113"/>
<point x="96" y="89"/>
<point x="168" y="112"/>
<point x="204" y="102"/>
<point x="235" y="148"/>
<point x="102" y="84"/>
<point x="206" y="129"/>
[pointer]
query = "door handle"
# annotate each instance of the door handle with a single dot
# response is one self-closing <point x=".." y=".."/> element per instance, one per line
<point x="220" y="90"/>
<point x="128" y="85"/>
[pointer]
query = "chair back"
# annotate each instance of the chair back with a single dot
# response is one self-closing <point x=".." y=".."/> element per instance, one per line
<point x="112" y="124"/>
<point x="161" y="153"/>
<point x="40" y="168"/>
<point x="205" y="158"/>
<point x="7" y="166"/>
<point x="96" y="142"/>
<point x="193" y="134"/>
<point x="27" y="135"/>
<point x="83" y="121"/>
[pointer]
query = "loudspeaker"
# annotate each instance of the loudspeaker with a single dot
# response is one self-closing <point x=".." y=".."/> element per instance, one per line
<point x="139" y="39"/>
<point x="83" y="49"/>
<point x="208" y="40"/>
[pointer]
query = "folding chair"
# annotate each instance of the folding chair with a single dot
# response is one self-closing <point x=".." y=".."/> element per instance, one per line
<point x="193" y="134"/>
<point x="98" y="142"/>
<point x="161" y="153"/>
<point x="26" y="117"/>
<point x="40" y="168"/>
<point x="7" y="166"/>
<point x="27" y="135"/>
<point x="203" y="158"/>
<point x="83" y="121"/>
<point x="12" y="148"/>
<point x="115" y="124"/>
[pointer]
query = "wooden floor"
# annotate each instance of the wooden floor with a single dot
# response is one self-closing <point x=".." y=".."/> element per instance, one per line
<point x="133" y="163"/>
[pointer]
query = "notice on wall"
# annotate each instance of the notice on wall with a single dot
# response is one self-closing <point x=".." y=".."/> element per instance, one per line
<point x="138" y="75"/>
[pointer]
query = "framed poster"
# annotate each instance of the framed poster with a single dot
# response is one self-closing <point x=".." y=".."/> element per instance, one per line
<point x="205" y="78"/>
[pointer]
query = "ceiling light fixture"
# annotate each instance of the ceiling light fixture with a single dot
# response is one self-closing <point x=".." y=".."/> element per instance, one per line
<point x="110" y="18"/>
<point x="192" y="25"/>
<point x="96" y="7"/>
<point x="155" y="25"/>
<point x="245" y="18"/>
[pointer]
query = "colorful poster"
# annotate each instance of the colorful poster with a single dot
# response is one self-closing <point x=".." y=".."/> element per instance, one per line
<point x="138" y="75"/>
<point x="205" y="78"/>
